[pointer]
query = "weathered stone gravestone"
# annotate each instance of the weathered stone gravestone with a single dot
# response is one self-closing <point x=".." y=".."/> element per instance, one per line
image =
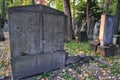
<point x="106" y="47"/>
<point x="96" y="31"/>
<point x="82" y="34"/>
<point x="95" y="42"/>
<point x="37" y="35"/>
<point x="106" y="30"/>
<point x="116" y="39"/>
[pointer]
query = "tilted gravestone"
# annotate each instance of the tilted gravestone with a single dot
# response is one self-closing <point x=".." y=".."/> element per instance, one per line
<point x="106" y="47"/>
<point x="37" y="35"/>
<point x="106" y="30"/>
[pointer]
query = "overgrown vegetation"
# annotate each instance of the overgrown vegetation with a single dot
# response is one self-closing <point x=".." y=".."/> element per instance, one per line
<point x="112" y="68"/>
<point x="78" y="8"/>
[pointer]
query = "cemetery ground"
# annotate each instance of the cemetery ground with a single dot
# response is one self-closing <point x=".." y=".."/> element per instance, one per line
<point x="98" y="68"/>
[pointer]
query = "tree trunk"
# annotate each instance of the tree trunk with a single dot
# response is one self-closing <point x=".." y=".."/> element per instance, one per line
<point x="11" y="1"/>
<point x="88" y="18"/>
<point x="67" y="11"/>
<point x="73" y="18"/>
<point x="2" y="38"/>
<point x="107" y="6"/>
<point x="117" y="23"/>
<point x="74" y="11"/>
<point x="33" y="2"/>
<point x="92" y="23"/>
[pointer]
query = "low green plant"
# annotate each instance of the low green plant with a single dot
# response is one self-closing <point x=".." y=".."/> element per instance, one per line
<point x="47" y="74"/>
<point x="91" y="77"/>
<point x="66" y="75"/>
<point x="103" y="65"/>
<point x="115" y="71"/>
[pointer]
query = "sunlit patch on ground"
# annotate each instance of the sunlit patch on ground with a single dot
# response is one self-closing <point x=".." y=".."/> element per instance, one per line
<point x="4" y="58"/>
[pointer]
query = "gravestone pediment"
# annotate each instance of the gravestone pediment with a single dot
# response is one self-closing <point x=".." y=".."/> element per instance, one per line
<point x="36" y="8"/>
<point x="37" y="35"/>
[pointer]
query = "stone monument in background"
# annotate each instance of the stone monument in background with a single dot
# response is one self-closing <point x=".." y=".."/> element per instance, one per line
<point x="95" y="42"/>
<point x="96" y="31"/>
<point x="106" y="47"/>
<point x="82" y="34"/>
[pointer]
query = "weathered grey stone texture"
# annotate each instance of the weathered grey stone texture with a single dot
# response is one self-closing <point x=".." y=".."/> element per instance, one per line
<point x="37" y="35"/>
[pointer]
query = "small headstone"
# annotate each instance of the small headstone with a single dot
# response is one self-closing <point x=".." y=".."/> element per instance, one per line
<point x="82" y="36"/>
<point x="94" y="44"/>
<point x="96" y="31"/>
<point x="116" y="39"/>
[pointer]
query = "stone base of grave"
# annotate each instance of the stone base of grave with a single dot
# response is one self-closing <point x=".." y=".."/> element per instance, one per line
<point x="38" y="63"/>
<point x="94" y="45"/>
<point x="82" y="36"/>
<point x="116" y="39"/>
<point x="107" y="50"/>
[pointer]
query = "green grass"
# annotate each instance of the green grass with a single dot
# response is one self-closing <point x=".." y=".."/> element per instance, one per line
<point x="66" y="75"/>
<point x="77" y="48"/>
<point x="90" y="77"/>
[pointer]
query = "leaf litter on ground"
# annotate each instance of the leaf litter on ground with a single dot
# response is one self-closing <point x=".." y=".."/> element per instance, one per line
<point x="100" y="69"/>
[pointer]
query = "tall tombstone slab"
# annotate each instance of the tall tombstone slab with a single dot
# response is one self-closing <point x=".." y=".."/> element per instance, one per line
<point x="37" y="35"/>
<point x="106" y="30"/>
<point x="106" y="47"/>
